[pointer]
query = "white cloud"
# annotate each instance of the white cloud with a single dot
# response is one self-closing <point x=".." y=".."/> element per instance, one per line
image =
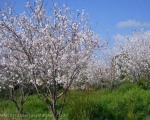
<point x="132" y="23"/>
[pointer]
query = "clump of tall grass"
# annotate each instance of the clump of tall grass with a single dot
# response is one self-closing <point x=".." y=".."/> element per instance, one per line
<point x="127" y="102"/>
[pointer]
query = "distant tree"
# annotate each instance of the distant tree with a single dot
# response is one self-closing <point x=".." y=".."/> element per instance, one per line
<point x="96" y="74"/>
<point x="47" y="51"/>
<point x="132" y="56"/>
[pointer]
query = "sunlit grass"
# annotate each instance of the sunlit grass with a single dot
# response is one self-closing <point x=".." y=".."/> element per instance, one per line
<point x="127" y="102"/>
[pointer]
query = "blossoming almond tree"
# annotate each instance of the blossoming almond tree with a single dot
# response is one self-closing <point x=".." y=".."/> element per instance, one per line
<point x="47" y="51"/>
<point x="96" y="74"/>
<point x="133" y="56"/>
<point x="13" y="71"/>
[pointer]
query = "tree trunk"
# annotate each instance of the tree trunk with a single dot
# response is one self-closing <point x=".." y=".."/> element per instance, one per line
<point x="55" y="117"/>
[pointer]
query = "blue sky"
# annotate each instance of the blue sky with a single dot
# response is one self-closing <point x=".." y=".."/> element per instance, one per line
<point x="107" y="17"/>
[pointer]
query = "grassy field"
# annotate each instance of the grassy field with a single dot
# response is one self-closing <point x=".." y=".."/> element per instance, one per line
<point x="127" y="102"/>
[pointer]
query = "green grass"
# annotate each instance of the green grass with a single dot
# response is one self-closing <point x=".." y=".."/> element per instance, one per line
<point x="127" y="102"/>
